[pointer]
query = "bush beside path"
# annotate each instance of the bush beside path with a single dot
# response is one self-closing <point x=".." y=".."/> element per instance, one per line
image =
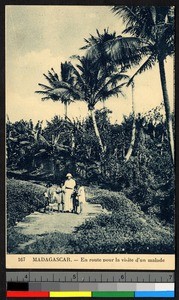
<point x="26" y="197"/>
<point x="110" y="223"/>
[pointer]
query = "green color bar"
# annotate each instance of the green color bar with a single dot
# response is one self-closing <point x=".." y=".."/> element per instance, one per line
<point x="114" y="294"/>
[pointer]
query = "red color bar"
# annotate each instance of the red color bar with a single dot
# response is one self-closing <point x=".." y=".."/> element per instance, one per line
<point x="30" y="294"/>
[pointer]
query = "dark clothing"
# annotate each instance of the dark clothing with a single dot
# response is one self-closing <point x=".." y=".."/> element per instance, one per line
<point x="75" y="201"/>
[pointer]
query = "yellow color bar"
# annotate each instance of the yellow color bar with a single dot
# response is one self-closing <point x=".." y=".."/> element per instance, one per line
<point x="70" y="294"/>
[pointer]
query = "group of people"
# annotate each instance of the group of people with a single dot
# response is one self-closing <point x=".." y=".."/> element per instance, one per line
<point x="69" y="197"/>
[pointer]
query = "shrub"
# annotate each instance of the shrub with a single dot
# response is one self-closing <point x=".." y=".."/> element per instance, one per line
<point x="14" y="238"/>
<point x="23" y="198"/>
<point x="112" y="201"/>
<point x="121" y="233"/>
<point x="53" y="243"/>
<point x="126" y="230"/>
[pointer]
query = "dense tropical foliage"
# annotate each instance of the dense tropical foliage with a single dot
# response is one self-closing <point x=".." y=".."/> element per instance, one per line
<point x="64" y="146"/>
<point x="133" y="160"/>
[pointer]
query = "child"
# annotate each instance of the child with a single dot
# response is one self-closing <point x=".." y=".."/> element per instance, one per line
<point x="81" y="198"/>
<point x="75" y="199"/>
<point x="46" y="197"/>
<point x="49" y="194"/>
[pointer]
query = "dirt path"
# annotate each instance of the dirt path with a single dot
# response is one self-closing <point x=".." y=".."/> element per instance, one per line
<point x="37" y="224"/>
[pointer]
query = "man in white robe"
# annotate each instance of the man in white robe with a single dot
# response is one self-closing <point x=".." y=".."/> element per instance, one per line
<point x="69" y="189"/>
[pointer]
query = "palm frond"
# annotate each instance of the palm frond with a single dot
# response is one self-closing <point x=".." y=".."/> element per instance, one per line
<point x="45" y="87"/>
<point x="79" y="77"/>
<point x="112" y="81"/>
<point x="105" y="93"/>
<point x="55" y="74"/>
<point x="125" y="51"/>
<point x="112" y="92"/>
<point x="45" y="98"/>
<point x="148" y="64"/>
<point x="129" y="14"/>
<point x="42" y="92"/>
<point x="65" y="71"/>
<point x="75" y="56"/>
<point x="52" y="83"/>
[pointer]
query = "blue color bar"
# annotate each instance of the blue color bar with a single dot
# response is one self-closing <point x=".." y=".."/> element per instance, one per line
<point x="157" y="294"/>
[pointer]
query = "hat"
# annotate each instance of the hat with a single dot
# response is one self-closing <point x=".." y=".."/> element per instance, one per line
<point x="69" y="175"/>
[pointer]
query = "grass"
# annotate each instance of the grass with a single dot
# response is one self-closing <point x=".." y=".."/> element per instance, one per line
<point x="127" y="229"/>
<point x="14" y="239"/>
<point x="49" y="244"/>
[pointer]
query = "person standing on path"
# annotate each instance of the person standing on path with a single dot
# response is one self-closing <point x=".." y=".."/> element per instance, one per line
<point x="75" y="199"/>
<point x="60" y="197"/>
<point x="50" y="195"/>
<point x="81" y="198"/>
<point x="69" y="186"/>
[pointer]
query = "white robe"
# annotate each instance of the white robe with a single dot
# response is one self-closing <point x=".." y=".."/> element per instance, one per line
<point x="81" y="195"/>
<point x="69" y="189"/>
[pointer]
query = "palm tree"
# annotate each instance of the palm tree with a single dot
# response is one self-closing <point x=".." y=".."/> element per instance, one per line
<point x="53" y="92"/>
<point x="154" y="25"/>
<point x="133" y="135"/>
<point x="91" y="84"/>
<point x="103" y="47"/>
<point x="152" y="30"/>
<point x="96" y="84"/>
<point x="97" y="44"/>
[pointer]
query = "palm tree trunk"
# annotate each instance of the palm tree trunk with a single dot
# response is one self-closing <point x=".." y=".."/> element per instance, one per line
<point x="96" y="129"/>
<point x="167" y="107"/>
<point x="129" y="152"/>
<point x="66" y="110"/>
<point x="72" y="143"/>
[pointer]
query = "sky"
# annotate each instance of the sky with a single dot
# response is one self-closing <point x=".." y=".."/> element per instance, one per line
<point x="41" y="37"/>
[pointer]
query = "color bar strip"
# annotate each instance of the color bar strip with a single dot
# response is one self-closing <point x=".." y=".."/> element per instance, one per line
<point x="162" y="287"/>
<point x="29" y="294"/>
<point x="156" y="294"/>
<point x="108" y="294"/>
<point x="70" y="294"/>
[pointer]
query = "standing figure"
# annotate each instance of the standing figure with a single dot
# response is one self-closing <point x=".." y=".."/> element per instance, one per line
<point x="81" y="198"/>
<point x="69" y="188"/>
<point x="60" y="197"/>
<point x="46" y="204"/>
<point x="50" y="195"/>
<point x="75" y="199"/>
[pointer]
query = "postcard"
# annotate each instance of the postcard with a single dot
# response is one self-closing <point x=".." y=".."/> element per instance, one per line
<point x="90" y="158"/>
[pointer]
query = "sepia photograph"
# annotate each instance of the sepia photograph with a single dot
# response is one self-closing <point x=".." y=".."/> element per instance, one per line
<point x="90" y="128"/>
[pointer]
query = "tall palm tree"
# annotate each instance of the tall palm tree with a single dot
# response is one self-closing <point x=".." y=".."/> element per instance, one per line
<point x="103" y="47"/>
<point x="97" y="84"/>
<point x="133" y="135"/>
<point x="53" y="92"/>
<point x="102" y="59"/>
<point x="91" y="84"/>
<point x="152" y="35"/>
<point x="154" y="25"/>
